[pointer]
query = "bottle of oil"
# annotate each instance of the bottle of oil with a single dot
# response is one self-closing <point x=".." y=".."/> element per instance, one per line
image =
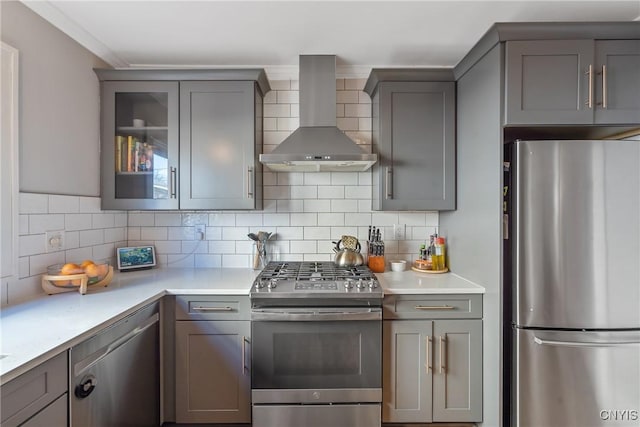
<point x="439" y="262"/>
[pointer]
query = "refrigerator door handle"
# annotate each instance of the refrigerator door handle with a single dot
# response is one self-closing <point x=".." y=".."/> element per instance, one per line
<point x="586" y="343"/>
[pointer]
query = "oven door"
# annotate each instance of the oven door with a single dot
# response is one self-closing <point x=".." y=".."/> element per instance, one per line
<point x="316" y="355"/>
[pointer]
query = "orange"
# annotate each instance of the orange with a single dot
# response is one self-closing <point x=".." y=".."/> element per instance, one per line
<point x="71" y="268"/>
<point x="92" y="270"/>
<point x="86" y="262"/>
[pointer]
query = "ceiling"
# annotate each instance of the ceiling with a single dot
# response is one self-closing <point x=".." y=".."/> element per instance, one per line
<point x="271" y="34"/>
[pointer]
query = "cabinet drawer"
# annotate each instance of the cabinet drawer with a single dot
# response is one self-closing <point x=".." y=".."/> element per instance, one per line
<point x="206" y="307"/>
<point x="432" y="307"/>
<point x="33" y="390"/>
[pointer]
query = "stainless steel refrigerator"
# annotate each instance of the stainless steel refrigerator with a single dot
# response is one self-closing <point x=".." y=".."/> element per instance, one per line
<point x="575" y="275"/>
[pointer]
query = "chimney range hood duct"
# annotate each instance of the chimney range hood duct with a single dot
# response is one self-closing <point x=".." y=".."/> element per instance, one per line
<point x="318" y="145"/>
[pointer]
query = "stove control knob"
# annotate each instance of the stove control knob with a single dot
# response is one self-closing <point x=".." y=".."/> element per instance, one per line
<point x="272" y="284"/>
<point x="361" y="284"/>
<point x="260" y="284"/>
<point x="348" y="284"/>
<point x="373" y="284"/>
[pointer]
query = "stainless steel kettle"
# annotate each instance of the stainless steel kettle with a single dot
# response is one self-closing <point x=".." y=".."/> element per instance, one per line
<point x="346" y="257"/>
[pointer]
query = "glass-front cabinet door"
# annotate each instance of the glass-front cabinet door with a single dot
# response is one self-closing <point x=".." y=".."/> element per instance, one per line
<point x="139" y="144"/>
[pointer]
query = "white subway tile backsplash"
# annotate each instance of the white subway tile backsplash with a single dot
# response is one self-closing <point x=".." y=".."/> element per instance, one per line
<point x="274" y="138"/>
<point x="358" y="110"/>
<point x="331" y="219"/>
<point x="347" y="123"/>
<point x="31" y="203"/>
<point x="249" y="219"/>
<point x="380" y="219"/>
<point x="357" y="219"/>
<point x="304" y="192"/>
<point x="222" y="219"/>
<point x="78" y="222"/>
<point x="134" y="233"/>
<point x="120" y="219"/>
<point x="432" y="219"/>
<point x="141" y="219"/>
<point x="347" y="97"/>
<point x="104" y="252"/>
<point x="289" y="233"/>
<point x="357" y="192"/>
<point x="344" y="178"/>
<point x="288" y="123"/>
<point x="103" y="220"/>
<point x="168" y="246"/>
<point x="304" y="219"/>
<point x="63" y="204"/>
<point x="42" y="223"/>
<point x="277" y="110"/>
<point x="23" y="267"/>
<point x="191" y="219"/>
<point x="222" y="247"/>
<point x="194" y="247"/>
<point x="78" y="254"/>
<point x="91" y="237"/>
<point x="31" y="244"/>
<point x="235" y="233"/>
<point x="336" y="233"/>
<point x="290" y="178"/>
<point x="270" y="123"/>
<point x="165" y="219"/>
<point x="288" y="97"/>
<point x="339" y="110"/>
<point x="412" y="218"/>
<point x="112" y="235"/>
<point x="38" y="263"/>
<point x="23" y="224"/>
<point x="89" y="204"/>
<point x="295" y="85"/>
<point x="276" y="192"/>
<point x="290" y="206"/>
<point x="303" y="246"/>
<point x="235" y="261"/>
<point x="317" y="178"/>
<point x="295" y="110"/>
<point x="339" y="84"/>
<point x="276" y="219"/>
<point x="364" y="98"/>
<point x="344" y="205"/>
<point x="154" y="233"/>
<point x="244" y="246"/>
<point x="311" y="233"/>
<point x="364" y="124"/>
<point x="213" y="233"/>
<point x="178" y="233"/>
<point x="280" y="85"/>
<point x="364" y="178"/>
<point x="314" y="205"/>
<point x="181" y="261"/>
<point x="355" y="84"/>
<point x="330" y="192"/>
<point x="270" y="97"/>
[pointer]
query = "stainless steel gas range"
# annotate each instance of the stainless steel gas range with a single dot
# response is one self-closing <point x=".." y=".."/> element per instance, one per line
<point x="316" y="346"/>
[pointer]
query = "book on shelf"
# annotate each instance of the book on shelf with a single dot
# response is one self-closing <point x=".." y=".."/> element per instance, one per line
<point x="133" y="155"/>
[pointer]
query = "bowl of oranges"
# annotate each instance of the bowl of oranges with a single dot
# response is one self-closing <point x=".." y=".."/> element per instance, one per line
<point x="76" y="276"/>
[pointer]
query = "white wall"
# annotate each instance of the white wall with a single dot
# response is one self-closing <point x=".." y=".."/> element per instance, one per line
<point x="59" y="106"/>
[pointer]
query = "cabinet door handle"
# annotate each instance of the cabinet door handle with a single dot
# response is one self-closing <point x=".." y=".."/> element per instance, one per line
<point x="589" y="101"/>
<point x="212" y="309"/>
<point x="428" y="365"/>
<point x="389" y="183"/>
<point x="250" y="182"/>
<point x="244" y="358"/>
<point x="434" y="307"/>
<point x="604" y="86"/>
<point x="173" y="175"/>
<point x="443" y="343"/>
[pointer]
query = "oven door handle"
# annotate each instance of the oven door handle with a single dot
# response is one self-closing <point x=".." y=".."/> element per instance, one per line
<point x="315" y="315"/>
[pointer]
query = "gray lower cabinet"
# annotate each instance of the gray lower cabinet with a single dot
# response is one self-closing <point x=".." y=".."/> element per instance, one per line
<point x="413" y="133"/>
<point x="572" y="82"/>
<point x="213" y="359"/>
<point x="37" y="397"/>
<point x="432" y="365"/>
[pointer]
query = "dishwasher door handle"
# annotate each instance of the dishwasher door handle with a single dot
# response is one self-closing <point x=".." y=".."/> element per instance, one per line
<point x="97" y="356"/>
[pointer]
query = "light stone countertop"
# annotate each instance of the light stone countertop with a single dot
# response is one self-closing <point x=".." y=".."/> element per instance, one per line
<point x="412" y="282"/>
<point x="36" y="330"/>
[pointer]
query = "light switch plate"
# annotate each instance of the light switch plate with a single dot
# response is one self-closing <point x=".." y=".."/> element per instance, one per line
<point x="399" y="231"/>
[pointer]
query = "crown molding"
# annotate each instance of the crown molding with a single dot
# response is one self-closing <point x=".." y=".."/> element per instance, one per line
<point x="58" y="19"/>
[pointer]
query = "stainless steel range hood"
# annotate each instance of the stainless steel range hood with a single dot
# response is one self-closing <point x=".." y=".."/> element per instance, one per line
<point x="318" y="145"/>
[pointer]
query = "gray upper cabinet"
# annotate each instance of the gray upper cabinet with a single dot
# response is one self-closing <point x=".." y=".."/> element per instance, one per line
<point x="218" y="145"/>
<point x="182" y="139"/>
<point x="617" y="90"/>
<point x="413" y="133"/>
<point x="139" y="140"/>
<point x="572" y="82"/>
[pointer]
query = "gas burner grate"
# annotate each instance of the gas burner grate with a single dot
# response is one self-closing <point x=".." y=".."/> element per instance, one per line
<point x="310" y="271"/>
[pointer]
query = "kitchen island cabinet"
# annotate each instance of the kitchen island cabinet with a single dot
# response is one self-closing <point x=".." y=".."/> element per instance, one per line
<point x="572" y="82"/>
<point x="213" y="359"/>
<point x="413" y="134"/>
<point x="432" y="358"/>
<point x="181" y="139"/>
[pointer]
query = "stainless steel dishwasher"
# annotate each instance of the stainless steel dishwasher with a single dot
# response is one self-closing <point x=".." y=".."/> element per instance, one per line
<point x="115" y="378"/>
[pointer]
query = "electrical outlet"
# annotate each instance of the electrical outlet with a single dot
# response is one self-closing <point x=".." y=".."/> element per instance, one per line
<point x="399" y="231"/>
<point x="55" y="240"/>
<point x="200" y="232"/>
